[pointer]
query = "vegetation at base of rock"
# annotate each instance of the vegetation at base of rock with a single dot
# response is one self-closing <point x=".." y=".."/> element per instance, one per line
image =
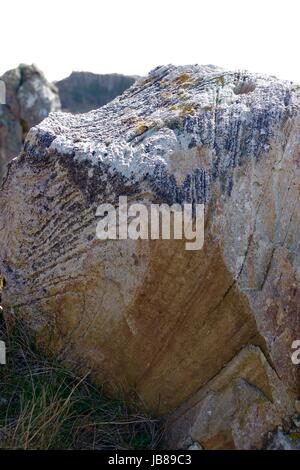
<point x="44" y="406"/>
<point x="84" y="91"/>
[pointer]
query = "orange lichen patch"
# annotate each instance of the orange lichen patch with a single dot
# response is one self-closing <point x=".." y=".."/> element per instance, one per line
<point x="182" y="78"/>
<point x="188" y="84"/>
<point x="141" y="127"/>
<point x="187" y="108"/>
<point x="147" y="81"/>
<point x="173" y="107"/>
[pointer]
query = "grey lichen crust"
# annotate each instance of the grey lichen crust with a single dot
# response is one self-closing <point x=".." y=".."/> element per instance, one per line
<point x="177" y="129"/>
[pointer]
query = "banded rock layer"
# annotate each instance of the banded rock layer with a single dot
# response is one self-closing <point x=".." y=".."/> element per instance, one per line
<point x="187" y="329"/>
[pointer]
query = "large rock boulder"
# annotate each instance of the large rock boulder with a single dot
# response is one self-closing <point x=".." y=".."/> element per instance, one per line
<point x="29" y="99"/>
<point x="234" y="410"/>
<point x="209" y="330"/>
<point x="84" y="91"/>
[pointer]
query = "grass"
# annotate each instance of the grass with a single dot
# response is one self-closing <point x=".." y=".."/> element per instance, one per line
<point x="45" y="406"/>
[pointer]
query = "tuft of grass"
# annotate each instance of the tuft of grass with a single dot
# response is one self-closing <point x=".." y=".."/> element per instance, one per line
<point x="45" y="406"/>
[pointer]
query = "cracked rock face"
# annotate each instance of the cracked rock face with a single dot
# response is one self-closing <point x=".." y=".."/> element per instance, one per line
<point x="29" y="99"/>
<point x="215" y="324"/>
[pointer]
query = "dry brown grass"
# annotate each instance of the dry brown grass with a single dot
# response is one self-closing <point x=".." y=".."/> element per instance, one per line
<point x="45" y="406"/>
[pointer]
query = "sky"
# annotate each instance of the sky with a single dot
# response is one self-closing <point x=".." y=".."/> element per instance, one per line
<point x="134" y="36"/>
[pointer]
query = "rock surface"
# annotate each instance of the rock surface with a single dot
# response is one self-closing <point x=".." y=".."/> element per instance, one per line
<point x="209" y="330"/>
<point x="84" y="91"/>
<point x="29" y="99"/>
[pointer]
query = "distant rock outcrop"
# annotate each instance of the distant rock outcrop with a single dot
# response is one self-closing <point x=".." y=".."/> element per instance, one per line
<point x="84" y="91"/>
<point x="29" y="99"/>
<point x="204" y="336"/>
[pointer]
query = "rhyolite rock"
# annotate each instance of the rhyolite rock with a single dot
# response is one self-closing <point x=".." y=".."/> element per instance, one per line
<point x="84" y="91"/>
<point x="29" y="99"/>
<point x="204" y="336"/>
